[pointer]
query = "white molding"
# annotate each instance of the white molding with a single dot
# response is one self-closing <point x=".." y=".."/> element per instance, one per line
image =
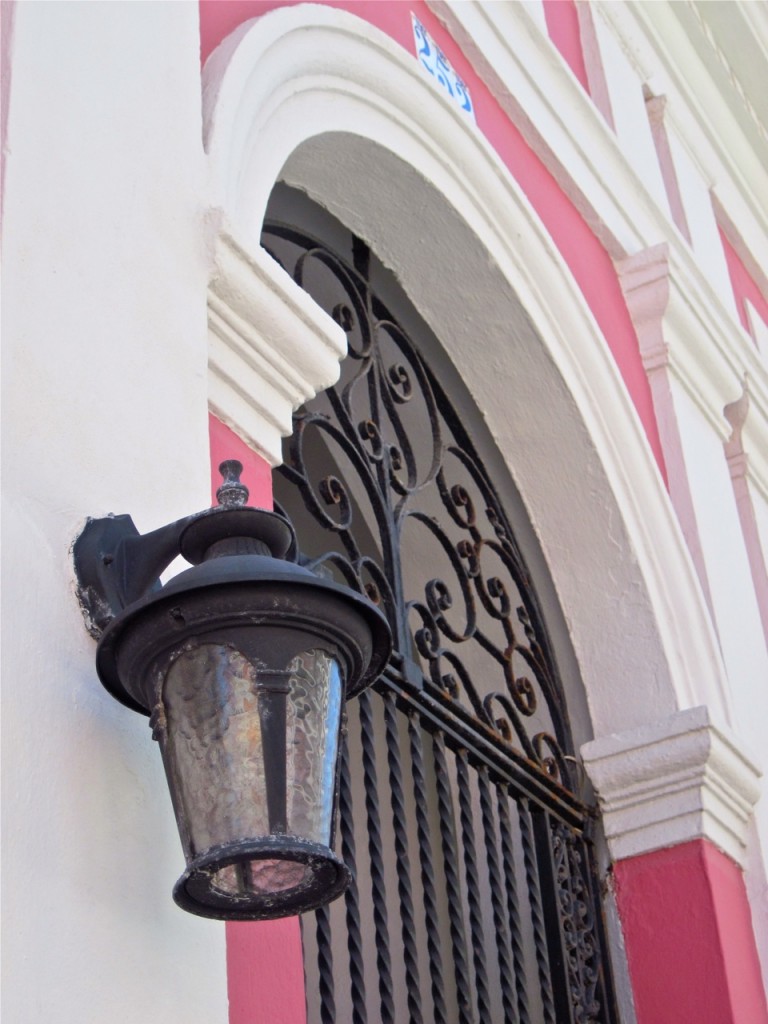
<point x="657" y="45"/>
<point x="676" y="780"/>
<point x="759" y="329"/>
<point x="538" y="91"/>
<point x="271" y="347"/>
<point x="709" y="353"/>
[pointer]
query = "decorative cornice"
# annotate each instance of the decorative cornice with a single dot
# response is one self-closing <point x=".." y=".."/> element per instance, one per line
<point x="679" y="779"/>
<point x="271" y="347"/>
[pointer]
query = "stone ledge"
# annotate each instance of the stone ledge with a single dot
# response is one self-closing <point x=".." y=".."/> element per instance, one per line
<point x="679" y="779"/>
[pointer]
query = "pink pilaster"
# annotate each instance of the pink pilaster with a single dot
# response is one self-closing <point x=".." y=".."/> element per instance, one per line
<point x="738" y="464"/>
<point x="645" y="281"/>
<point x="688" y="935"/>
<point x="676" y="797"/>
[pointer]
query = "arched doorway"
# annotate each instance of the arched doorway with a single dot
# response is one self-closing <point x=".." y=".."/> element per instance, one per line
<point x="317" y="98"/>
<point x="462" y="806"/>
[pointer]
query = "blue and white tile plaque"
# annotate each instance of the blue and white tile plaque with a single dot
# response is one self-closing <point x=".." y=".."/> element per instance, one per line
<point x="436" y="63"/>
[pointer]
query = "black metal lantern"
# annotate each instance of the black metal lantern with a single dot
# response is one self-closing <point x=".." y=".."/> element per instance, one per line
<point x="243" y="663"/>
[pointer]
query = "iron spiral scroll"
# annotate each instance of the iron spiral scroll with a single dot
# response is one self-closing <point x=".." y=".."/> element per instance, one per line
<point x="411" y="467"/>
<point x="478" y="900"/>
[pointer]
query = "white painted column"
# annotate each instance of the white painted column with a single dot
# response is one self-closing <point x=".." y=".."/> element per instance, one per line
<point x="696" y="197"/>
<point x="750" y="500"/>
<point x="627" y="104"/>
<point x="682" y="345"/>
<point x="104" y="332"/>
<point x="644" y="279"/>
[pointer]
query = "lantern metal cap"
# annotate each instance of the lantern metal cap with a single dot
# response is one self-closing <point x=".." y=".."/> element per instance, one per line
<point x="231" y="546"/>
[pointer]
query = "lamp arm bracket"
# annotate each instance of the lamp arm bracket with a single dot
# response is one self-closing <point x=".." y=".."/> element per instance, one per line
<point x="115" y="565"/>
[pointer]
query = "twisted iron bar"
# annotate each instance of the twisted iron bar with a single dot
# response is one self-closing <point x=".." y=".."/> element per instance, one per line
<point x="375" y="848"/>
<point x="408" y="921"/>
<point x="505" y="960"/>
<point x="325" y="966"/>
<point x="352" y="896"/>
<point x="513" y="906"/>
<point x="423" y="833"/>
<point x="453" y="885"/>
<point x="472" y="876"/>
<point x="537" y="912"/>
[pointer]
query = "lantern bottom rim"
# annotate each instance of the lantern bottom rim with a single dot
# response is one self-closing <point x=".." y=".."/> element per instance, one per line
<point x="261" y="879"/>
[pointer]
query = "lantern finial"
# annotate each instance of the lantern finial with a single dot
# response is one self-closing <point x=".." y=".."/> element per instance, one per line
<point x="232" y="493"/>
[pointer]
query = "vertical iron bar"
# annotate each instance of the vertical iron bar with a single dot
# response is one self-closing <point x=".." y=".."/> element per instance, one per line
<point x="325" y="966"/>
<point x="453" y="885"/>
<point x="423" y="832"/>
<point x="375" y="847"/>
<point x="474" y="898"/>
<point x="351" y="897"/>
<point x="389" y="531"/>
<point x="513" y="907"/>
<point x="407" y="918"/>
<point x="537" y="913"/>
<point x="506" y="967"/>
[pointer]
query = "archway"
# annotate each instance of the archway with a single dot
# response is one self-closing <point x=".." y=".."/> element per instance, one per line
<point x="317" y="98"/>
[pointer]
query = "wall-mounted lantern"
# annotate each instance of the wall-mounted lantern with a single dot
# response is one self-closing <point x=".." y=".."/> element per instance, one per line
<point x="243" y="663"/>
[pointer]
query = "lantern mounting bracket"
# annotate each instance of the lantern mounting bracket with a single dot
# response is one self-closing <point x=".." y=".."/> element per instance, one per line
<point x="115" y="565"/>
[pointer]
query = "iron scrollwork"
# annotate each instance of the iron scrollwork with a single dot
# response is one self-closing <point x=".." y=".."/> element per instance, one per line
<point x="392" y="482"/>
<point x="577" y="919"/>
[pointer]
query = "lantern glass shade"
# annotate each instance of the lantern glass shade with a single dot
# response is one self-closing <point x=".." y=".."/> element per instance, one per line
<point x="250" y="751"/>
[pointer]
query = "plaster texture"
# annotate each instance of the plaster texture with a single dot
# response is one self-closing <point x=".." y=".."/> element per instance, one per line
<point x="105" y="385"/>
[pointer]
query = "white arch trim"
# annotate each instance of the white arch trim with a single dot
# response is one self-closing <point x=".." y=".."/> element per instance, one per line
<point x="321" y="99"/>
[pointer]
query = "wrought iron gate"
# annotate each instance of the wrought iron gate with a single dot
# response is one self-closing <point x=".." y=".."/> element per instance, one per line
<point x="475" y="896"/>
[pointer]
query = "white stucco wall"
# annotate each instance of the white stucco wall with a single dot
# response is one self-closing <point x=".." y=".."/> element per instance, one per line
<point x="105" y="383"/>
<point x="104" y="376"/>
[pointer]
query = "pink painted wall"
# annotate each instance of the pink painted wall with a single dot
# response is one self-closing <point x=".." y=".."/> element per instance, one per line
<point x="688" y="934"/>
<point x="257" y="474"/>
<point x="265" y="972"/>
<point x="743" y="284"/>
<point x="565" y="32"/>
<point x="585" y="256"/>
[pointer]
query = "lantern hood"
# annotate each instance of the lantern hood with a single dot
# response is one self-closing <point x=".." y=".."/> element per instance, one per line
<point x="244" y="567"/>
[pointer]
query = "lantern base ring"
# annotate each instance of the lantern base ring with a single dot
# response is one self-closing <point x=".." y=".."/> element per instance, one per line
<point x="261" y="879"/>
